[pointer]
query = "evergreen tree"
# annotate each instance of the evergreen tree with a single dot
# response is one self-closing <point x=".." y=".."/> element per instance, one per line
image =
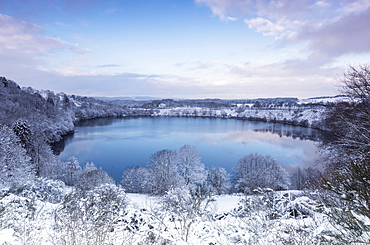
<point x="15" y="165"/>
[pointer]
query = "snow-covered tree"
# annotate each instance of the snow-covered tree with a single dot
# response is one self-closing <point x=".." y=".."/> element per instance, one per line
<point x="219" y="180"/>
<point x="168" y="169"/>
<point x="15" y="166"/>
<point x="136" y="179"/>
<point x="307" y="178"/>
<point x="349" y="122"/>
<point x="191" y="168"/>
<point x="346" y="178"/>
<point x="89" y="166"/>
<point x="22" y="129"/>
<point x="94" y="178"/>
<point x="165" y="172"/>
<point x="256" y="171"/>
<point x="72" y="171"/>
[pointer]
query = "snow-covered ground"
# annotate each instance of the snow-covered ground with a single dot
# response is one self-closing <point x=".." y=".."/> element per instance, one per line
<point x="227" y="219"/>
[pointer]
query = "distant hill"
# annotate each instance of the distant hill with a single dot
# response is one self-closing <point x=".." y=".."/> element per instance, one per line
<point x="128" y="98"/>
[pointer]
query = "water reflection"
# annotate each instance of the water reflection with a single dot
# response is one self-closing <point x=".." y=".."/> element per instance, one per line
<point x="58" y="147"/>
<point x="96" y="122"/>
<point x="294" y="132"/>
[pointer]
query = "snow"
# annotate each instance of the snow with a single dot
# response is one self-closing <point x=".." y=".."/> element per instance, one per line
<point x="139" y="201"/>
<point x="221" y="204"/>
<point x="226" y="203"/>
<point x="323" y="100"/>
<point x="6" y="236"/>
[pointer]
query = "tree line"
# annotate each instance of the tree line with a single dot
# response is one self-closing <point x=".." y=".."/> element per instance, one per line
<point x="171" y="169"/>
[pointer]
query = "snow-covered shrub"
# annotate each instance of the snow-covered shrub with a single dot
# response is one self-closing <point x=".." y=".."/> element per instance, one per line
<point x="94" y="178"/>
<point x="270" y="217"/>
<point x="44" y="189"/>
<point x="265" y="201"/>
<point x="89" y="216"/>
<point x="301" y="207"/>
<point x="152" y="238"/>
<point x="186" y="206"/>
<point x="22" y="215"/>
<point x="276" y="205"/>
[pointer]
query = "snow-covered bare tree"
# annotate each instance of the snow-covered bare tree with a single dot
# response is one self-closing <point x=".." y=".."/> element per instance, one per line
<point x="349" y="122"/>
<point x="219" y="180"/>
<point x="164" y="172"/>
<point x="307" y="178"/>
<point x="191" y="168"/>
<point x="256" y="171"/>
<point x="136" y="179"/>
<point x="346" y="178"/>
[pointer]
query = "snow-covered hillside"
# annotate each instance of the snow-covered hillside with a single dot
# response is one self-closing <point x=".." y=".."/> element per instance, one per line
<point x="303" y="116"/>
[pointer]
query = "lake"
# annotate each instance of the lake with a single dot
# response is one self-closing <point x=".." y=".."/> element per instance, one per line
<point x="117" y="143"/>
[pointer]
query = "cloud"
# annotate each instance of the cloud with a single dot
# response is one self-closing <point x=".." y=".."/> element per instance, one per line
<point x="107" y="65"/>
<point x="351" y="6"/>
<point x="199" y="65"/>
<point x="225" y="8"/>
<point x="25" y="50"/>
<point x="349" y="34"/>
<point x="322" y="4"/>
<point x="265" y="26"/>
<point x="327" y="28"/>
<point x="24" y="38"/>
<point x="232" y="18"/>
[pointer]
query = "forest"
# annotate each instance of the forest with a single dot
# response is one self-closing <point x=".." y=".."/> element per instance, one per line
<point x="44" y="200"/>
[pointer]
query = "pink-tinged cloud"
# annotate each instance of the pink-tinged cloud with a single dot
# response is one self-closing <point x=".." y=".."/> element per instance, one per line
<point x="350" y="34"/>
<point x="26" y="39"/>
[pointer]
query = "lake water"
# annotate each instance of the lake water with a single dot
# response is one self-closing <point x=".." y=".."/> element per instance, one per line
<point x="116" y="143"/>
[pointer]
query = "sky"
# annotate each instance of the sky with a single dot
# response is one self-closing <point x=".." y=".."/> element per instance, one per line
<point x="227" y="49"/>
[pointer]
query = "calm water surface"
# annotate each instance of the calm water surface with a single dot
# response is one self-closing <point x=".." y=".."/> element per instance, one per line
<point x="115" y="144"/>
